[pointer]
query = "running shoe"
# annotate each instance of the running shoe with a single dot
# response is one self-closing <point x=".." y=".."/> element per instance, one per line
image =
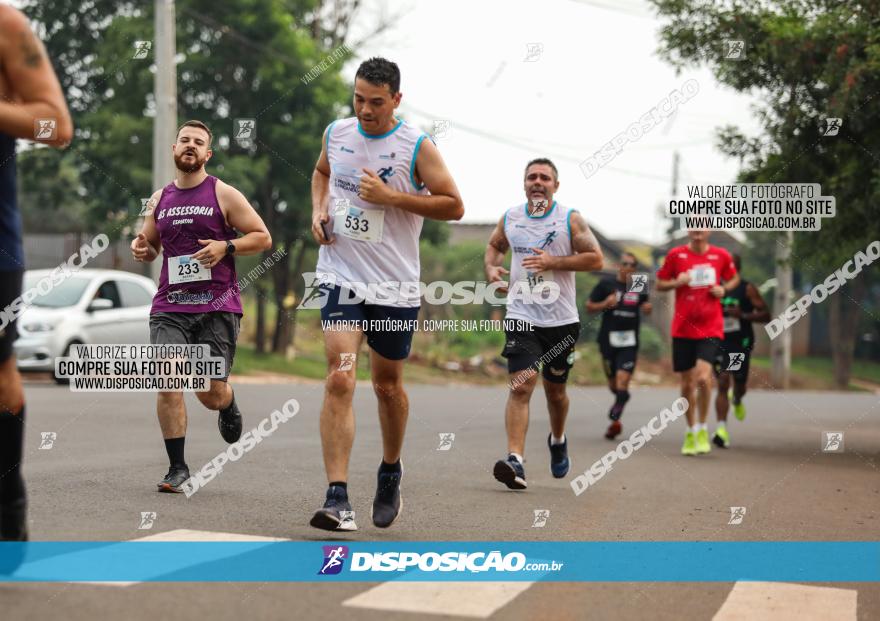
<point x="174" y="480"/>
<point x="739" y="410"/>
<point x="690" y="445"/>
<point x="613" y="430"/>
<point x="13" y="520"/>
<point x="510" y="472"/>
<point x="229" y="422"/>
<point x="721" y="438"/>
<point x="387" y="503"/>
<point x="703" y="445"/>
<point x="336" y="514"/>
<point x="559" y="462"/>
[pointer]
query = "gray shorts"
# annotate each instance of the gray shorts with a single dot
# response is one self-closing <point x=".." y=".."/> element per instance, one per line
<point x="219" y="330"/>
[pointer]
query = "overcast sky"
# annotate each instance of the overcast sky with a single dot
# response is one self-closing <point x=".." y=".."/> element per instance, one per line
<point x="464" y="61"/>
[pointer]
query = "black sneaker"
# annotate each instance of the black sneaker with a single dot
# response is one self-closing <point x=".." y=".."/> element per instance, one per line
<point x="510" y="472"/>
<point x="336" y="514"/>
<point x="229" y="422"/>
<point x="13" y="520"/>
<point x="387" y="503"/>
<point x="559" y="462"/>
<point x="174" y="480"/>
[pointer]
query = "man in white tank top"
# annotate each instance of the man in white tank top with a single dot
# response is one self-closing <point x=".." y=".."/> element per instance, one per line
<point x="549" y="243"/>
<point x="376" y="179"/>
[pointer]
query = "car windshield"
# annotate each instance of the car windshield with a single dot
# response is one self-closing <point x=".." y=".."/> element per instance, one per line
<point x="66" y="293"/>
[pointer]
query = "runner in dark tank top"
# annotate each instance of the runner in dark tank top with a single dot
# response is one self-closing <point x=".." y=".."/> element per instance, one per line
<point x="32" y="107"/>
<point x="193" y="222"/>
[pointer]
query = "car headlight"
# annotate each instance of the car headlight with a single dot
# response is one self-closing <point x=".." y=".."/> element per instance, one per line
<point x="38" y="327"/>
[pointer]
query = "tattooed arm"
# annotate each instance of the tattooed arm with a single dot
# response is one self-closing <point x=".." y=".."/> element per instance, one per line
<point x="493" y="260"/>
<point x="29" y="89"/>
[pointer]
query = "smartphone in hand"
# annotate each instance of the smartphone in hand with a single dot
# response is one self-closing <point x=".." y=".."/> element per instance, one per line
<point x="326" y="231"/>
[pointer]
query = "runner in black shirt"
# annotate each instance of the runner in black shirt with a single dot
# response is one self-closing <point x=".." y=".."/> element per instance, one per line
<point x="621" y="301"/>
<point x="741" y="306"/>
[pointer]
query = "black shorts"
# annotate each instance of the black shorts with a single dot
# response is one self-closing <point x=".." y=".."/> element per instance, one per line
<point x="616" y="359"/>
<point x="219" y="330"/>
<point x="10" y="289"/>
<point x="389" y="329"/>
<point x="686" y="352"/>
<point x="733" y="358"/>
<point x="527" y="346"/>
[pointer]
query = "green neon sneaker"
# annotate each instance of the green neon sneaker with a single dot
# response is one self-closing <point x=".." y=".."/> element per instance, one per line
<point x="690" y="446"/>
<point x="721" y="438"/>
<point x="703" y="445"/>
<point x="739" y="410"/>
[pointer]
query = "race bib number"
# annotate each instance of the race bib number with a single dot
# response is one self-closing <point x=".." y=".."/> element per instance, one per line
<point x="186" y="269"/>
<point x="731" y="324"/>
<point x="537" y="281"/>
<point x="702" y="276"/>
<point x="622" y="338"/>
<point x="361" y="224"/>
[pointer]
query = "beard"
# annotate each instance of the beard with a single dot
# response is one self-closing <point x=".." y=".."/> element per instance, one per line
<point x="189" y="166"/>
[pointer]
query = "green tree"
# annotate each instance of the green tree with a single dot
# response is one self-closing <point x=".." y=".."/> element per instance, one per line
<point x="805" y="60"/>
<point x="236" y="59"/>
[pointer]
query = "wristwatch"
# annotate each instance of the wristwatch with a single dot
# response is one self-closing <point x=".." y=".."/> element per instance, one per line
<point x="230" y="247"/>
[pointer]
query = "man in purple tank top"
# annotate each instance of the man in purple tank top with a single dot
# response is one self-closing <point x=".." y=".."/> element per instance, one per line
<point x="193" y="221"/>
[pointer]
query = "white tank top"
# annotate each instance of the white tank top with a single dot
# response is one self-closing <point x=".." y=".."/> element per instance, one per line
<point x="550" y="232"/>
<point x="374" y="243"/>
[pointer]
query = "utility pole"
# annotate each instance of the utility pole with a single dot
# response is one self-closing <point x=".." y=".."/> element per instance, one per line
<point x="165" y="95"/>
<point x="673" y="222"/>
<point x="780" y="347"/>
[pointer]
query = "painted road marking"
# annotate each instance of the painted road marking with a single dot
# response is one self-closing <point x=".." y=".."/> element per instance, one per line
<point x="478" y="600"/>
<point x="776" y="601"/>
<point x="182" y="534"/>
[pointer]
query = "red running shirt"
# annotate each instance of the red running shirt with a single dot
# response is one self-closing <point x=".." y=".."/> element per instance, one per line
<point x="697" y="312"/>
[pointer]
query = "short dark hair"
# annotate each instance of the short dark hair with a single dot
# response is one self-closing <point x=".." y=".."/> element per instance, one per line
<point x="378" y="71"/>
<point x="542" y="160"/>
<point x="627" y="253"/>
<point x="198" y="124"/>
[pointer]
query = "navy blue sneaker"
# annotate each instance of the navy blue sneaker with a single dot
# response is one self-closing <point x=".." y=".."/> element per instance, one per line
<point x="510" y="472"/>
<point x="388" y="502"/>
<point x="336" y="514"/>
<point x="559" y="462"/>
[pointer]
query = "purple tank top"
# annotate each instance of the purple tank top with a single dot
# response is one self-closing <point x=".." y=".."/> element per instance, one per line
<point x="182" y="218"/>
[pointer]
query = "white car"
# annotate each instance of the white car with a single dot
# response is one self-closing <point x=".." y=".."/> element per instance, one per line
<point x="90" y="307"/>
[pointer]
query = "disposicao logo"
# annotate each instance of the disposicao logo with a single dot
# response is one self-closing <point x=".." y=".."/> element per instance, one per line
<point x="334" y="560"/>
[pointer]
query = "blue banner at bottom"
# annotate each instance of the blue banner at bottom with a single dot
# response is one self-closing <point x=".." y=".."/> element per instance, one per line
<point x="565" y="561"/>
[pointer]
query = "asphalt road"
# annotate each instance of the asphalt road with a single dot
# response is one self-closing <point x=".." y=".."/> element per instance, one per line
<point x="107" y="455"/>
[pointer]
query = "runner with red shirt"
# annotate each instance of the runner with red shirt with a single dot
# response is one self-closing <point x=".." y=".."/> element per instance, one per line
<point x="696" y="271"/>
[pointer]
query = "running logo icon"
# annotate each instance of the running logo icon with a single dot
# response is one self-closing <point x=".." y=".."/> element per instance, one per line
<point x="334" y="560"/>
<point x="346" y="361"/>
<point x="142" y="49"/>
<point x="317" y="292"/>
<point x="832" y="442"/>
<point x="341" y="206"/>
<point x="147" y="207"/>
<point x="245" y="132"/>
<point x="441" y="129"/>
<point x="147" y="519"/>
<point x="735" y="361"/>
<point x="533" y="52"/>
<point x="832" y="126"/>
<point x="541" y="517"/>
<point x="446" y="440"/>
<point x="384" y="173"/>
<point x="736" y="516"/>
<point x="734" y="49"/>
<point x="639" y="281"/>
<point x="44" y="129"/>
<point x="47" y="440"/>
